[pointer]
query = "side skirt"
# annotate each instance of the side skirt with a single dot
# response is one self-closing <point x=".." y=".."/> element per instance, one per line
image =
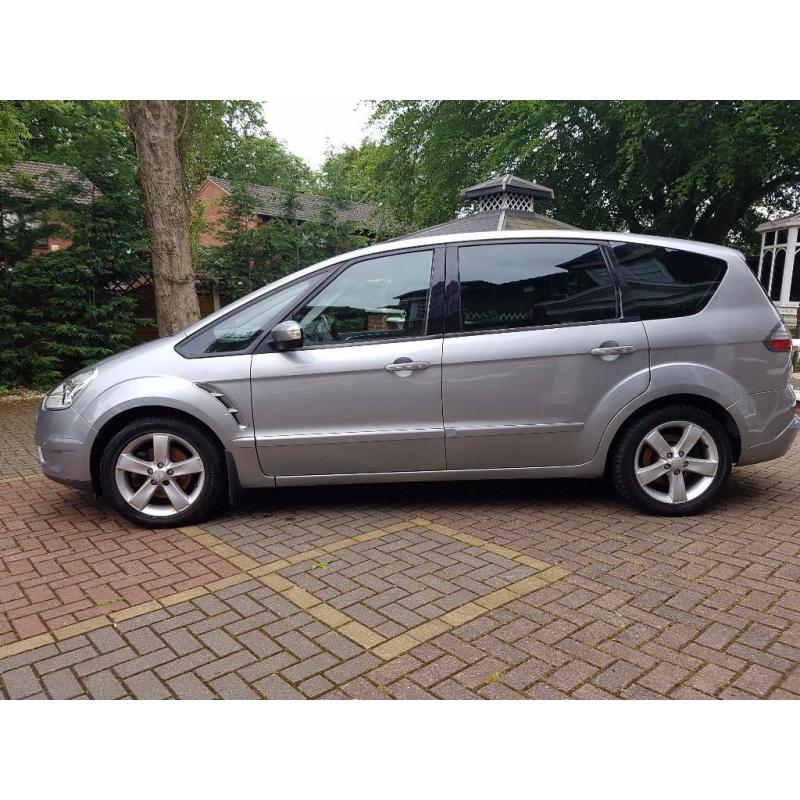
<point x="589" y="470"/>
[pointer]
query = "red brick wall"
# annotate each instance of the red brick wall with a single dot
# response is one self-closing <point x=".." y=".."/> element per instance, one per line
<point x="214" y="213"/>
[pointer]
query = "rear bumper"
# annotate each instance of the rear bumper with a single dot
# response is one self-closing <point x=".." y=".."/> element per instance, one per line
<point x="775" y="448"/>
<point x="64" y="442"/>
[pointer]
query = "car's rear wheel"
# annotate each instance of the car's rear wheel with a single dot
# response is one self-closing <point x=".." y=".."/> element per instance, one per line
<point x="672" y="461"/>
<point x="162" y="472"/>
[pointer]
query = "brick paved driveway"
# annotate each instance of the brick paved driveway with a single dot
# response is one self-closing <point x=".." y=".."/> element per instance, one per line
<point x="494" y="590"/>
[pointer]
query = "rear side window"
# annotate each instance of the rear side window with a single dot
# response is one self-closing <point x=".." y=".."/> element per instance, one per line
<point x="529" y="284"/>
<point x="668" y="283"/>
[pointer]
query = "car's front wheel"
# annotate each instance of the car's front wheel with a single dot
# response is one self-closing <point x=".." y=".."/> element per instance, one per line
<point x="160" y="472"/>
<point x="672" y="461"/>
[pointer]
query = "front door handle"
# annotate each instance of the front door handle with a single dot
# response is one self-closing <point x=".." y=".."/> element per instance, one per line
<point x="406" y="365"/>
<point x="613" y="350"/>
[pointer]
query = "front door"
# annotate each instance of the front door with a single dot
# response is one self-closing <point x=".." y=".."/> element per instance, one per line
<point x="363" y="395"/>
<point x="542" y="358"/>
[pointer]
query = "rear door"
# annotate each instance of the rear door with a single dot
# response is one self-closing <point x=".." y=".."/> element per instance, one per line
<point x="538" y="355"/>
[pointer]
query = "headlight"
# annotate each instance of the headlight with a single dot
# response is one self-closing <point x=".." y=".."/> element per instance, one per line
<point x="63" y="396"/>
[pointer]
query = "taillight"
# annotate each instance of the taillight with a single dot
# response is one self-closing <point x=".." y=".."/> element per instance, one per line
<point x="779" y="340"/>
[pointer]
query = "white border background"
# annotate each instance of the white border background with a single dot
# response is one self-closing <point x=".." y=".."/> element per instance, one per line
<point x="567" y="49"/>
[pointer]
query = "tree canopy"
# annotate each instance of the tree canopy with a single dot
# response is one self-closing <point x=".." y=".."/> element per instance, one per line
<point x="707" y="170"/>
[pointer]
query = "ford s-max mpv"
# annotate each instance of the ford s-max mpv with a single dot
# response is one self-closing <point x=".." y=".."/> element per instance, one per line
<point x="659" y="362"/>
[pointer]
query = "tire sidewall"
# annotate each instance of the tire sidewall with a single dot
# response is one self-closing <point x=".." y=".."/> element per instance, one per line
<point x="624" y="468"/>
<point x="213" y="464"/>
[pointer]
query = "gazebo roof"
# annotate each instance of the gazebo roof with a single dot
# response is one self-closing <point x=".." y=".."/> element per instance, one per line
<point x="494" y="221"/>
<point x="791" y="221"/>
<point x="507" y="184"/>
<point x="504" y="203"/>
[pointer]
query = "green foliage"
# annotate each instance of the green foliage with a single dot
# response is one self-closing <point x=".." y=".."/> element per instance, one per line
<point x="57" y="309"/>
<point x="252" y="256"/>
<point x="58" y="314"/>
<point x="708" y="170"/>
<point x="229" y="139"/>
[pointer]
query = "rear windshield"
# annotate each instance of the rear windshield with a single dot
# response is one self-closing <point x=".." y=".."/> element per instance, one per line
<point x="668" y="283"/>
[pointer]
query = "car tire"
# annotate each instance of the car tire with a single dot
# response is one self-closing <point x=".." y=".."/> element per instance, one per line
<point x="186" y="480"/>
<point x="672" y="461"/>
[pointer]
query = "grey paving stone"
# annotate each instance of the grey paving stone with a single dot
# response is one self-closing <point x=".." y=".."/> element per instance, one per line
<point x="189" y="687"/>
<point x="275" y="688"/>
<point x="62" y="685"/>
<point x="146" y="686"/>
<point x="21" y="682"/>
<point x="104" y="686"/>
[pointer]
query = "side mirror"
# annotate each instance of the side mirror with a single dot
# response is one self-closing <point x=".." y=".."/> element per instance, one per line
<point x="287" y="336"/>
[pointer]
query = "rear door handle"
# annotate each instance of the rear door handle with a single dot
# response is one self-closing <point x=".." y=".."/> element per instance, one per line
<point x="407" y="365"/>
<point x="615" y="350"/>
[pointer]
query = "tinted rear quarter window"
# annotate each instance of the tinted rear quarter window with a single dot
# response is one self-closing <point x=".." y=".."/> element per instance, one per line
<point x="530" y="284"/>
<point x="668" y="283"/>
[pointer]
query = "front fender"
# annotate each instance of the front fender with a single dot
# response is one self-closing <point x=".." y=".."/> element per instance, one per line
<point x="171" y="392"/>
<point x="182" y="395"/>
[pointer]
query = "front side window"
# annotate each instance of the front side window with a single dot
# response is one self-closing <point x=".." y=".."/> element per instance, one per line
<point x="668" y="283"/>
<point x="374" y="300"/>
<point x="238" y="331"/>
<point x="530" y="284"/>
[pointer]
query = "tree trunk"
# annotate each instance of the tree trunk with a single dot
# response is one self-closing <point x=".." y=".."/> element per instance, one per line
<point x="156" y="128"/>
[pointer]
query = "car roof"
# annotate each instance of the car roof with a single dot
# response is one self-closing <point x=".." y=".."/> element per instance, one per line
<point x="396" y="245"/>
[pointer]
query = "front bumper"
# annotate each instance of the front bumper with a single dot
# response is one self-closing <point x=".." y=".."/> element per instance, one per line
<point x="64" y="443"/>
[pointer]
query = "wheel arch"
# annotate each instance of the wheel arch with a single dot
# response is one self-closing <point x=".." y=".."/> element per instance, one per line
<point x="118" y="421"/>
<point x="719" y="412"/>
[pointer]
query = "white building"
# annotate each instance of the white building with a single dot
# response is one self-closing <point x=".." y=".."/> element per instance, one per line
<point x="779" y="265"/>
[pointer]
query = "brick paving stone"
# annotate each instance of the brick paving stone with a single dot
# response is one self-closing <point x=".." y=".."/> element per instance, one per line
<point x="543" y="691"/>
<point x="358" y="689"/>
<point x="450" y="690"/>
<point x="404" y="689"/>
<point x="617" y="676"/>
<point x="757" y="680"/>
<point x="232" y="687"/>
<point x="106" y="639"/>
<point x="190" y="687"/>
<point x="275" y="688"/>
<point x="180" y="665"/>
<point x="21" y="682"/>
<point x="146" y="686"/>
<point x="180" y="641"/>
<point x="703" y="607"/>
<point x="436" y="671"/>
<point x="62" y="685"/>
<point x="477" y="674"/>
<point x="663" y="678"/>
<point x="142" y="663"/>
<point x="711" y="678"/>
<point x="309" y="667"/>
<point x="219" y="642"/>
<point x="571" y="675"/>
<point x="351" y="668"/>
<point x="104" y="686"/>
<point x="314" y="687"/>
<point x="299" y="645"/>
<point x="221" y="666"/>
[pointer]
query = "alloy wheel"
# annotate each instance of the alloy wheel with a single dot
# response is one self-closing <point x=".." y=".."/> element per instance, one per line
<point x="676" y="462"/>
<point x="159" y="474"/>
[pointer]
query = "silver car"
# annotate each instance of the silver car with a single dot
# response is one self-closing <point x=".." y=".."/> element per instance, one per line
<point x="658" y="362"/>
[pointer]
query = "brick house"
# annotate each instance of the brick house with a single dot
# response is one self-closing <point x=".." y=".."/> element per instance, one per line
<point x="27" y="181"/>
<point x="270" y="202"/>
